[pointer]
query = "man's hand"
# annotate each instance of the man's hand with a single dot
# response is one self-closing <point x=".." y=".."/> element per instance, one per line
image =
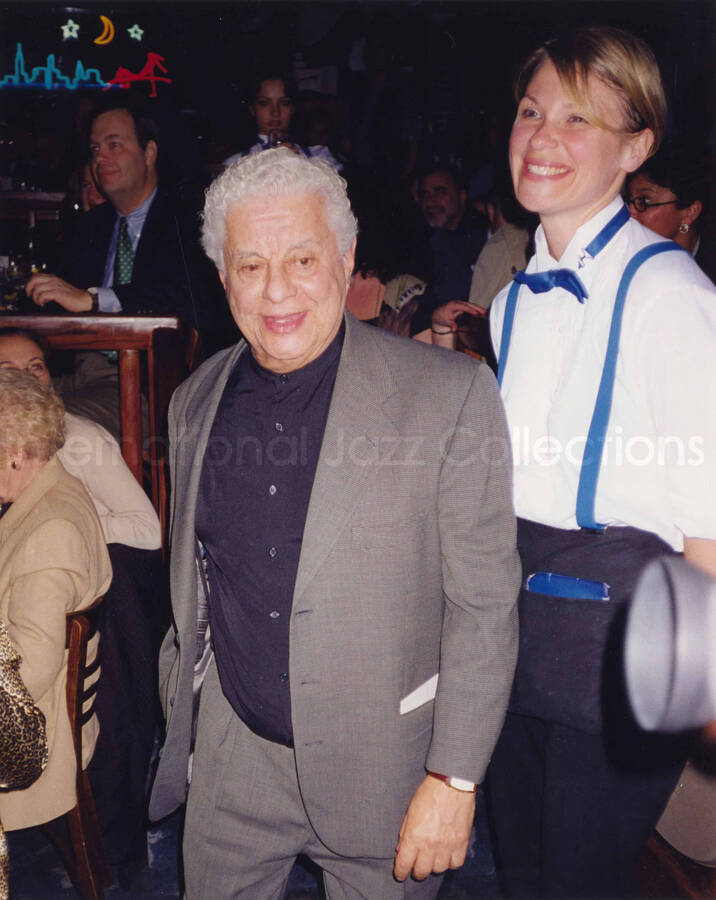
<point x="289" y="146"/>
<point x="435" y="830"/>
<point x="44" y="288"/>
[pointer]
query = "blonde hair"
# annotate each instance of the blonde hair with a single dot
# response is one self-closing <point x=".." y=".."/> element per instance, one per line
<point x="275" y="173"/>
<point x="620" y="60"/>
<point x="32" y="417"/>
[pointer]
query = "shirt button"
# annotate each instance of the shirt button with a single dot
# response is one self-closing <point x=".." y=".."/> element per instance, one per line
<point x="283" y="677"/>
<point x="272" y="489"/>
<point x="274" y="614"/>
<point x="278" y="426"/>
<point x="272" y="552"/>
<point x="283" y="379"/>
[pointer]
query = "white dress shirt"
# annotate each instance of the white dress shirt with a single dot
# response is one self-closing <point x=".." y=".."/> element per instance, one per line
<point x="315" y="151"/>
<point x="108" y="299"/>
<point x="658" y="470"/>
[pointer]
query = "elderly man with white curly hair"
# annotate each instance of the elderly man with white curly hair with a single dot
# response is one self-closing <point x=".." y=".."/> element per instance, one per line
<point x="343" y="570"/>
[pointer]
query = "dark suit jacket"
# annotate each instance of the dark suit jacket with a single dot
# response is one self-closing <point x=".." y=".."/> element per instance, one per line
<point x="171" y="275"/>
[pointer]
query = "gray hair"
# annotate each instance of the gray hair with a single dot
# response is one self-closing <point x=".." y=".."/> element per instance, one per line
<point x="32" y="417"/>
<point x="275" y="172"/>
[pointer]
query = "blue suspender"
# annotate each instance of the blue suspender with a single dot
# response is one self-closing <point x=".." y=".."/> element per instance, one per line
<point x="594" y="448"/>
<point x="592" y="459"/>
<point x="507" y="323"/>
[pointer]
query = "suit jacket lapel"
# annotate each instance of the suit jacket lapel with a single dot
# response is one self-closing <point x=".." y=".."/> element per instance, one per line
<point x="357" y="421"/>
<point x="193" y="432"/>
<point x="155" y="225"/>
<point x="89" y="259"/>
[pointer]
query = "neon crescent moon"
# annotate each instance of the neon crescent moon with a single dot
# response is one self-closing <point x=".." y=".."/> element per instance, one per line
<point x="108" y="33"/>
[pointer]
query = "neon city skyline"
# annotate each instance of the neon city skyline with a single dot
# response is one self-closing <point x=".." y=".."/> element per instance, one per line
<point x="49" y="77"/>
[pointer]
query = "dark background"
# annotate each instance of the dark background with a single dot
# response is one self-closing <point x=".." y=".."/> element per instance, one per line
<point x="449" y="67"/>
<point x="453" y="61"/>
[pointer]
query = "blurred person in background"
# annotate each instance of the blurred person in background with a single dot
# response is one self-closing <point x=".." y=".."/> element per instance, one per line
<point x="272" y="105"/>
<point x="138" y="253"/>
<point x="668" y="194"/>
<point x="455" y="238"/>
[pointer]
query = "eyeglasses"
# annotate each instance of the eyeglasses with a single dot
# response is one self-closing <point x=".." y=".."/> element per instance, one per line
<point x="641" y="204"/>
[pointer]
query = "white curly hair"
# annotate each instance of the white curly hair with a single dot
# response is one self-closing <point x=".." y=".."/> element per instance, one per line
<point x="275" y="172"/>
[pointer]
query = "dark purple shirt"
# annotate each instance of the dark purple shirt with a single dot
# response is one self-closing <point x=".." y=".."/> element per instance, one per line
<point x="255" y="487"/>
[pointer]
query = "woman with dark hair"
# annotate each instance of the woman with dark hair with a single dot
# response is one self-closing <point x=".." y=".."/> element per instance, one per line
<point x="668" y="193"/>
<point x="614" y="448"/>
<point x="272" y="104"/>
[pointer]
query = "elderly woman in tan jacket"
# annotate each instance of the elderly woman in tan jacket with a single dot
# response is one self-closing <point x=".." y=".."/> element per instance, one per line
<point x="53" y="560"/>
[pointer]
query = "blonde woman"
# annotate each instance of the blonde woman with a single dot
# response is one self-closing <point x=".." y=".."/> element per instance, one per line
<point x="606" y="360"/>
<point x="53" y="560"/>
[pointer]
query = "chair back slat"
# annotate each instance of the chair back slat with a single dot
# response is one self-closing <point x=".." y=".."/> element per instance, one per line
<point x="82" y="626"/>
<point x="76" y="834"/>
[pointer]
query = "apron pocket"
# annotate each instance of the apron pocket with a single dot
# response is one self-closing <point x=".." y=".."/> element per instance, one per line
<point x="563" y="649"/>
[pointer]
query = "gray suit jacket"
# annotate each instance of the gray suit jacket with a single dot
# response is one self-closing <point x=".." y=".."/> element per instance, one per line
<point x="408" y="568"/>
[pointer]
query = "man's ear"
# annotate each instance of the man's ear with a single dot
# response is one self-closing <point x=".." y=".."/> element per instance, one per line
<point x="638" y="149"/>
<point x="150" y="153"/>
<point x="222" y="276"/>
<point x="349" y="259"/>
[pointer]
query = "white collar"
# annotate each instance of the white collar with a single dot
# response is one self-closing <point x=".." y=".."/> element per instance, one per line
<point x="575" y="252"/>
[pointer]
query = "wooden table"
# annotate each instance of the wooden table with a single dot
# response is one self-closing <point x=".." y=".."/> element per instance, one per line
<point x="30" y="207"/>
<point x="163" y="341"/>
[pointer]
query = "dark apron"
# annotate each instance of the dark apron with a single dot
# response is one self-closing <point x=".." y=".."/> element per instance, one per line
<point x="569" y="666"/>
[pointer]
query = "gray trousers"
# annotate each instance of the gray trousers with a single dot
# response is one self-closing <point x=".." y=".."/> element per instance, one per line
<point x="246" y="823"/>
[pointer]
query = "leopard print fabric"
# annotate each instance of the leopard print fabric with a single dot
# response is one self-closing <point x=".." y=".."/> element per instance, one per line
<point x="4" y="866"/>
<point x="23" y="743"/>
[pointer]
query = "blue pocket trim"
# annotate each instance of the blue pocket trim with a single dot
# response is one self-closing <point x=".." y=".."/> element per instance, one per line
<point x="554" y="585"/>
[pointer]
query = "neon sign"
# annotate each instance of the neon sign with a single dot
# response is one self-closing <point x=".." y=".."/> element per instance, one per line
<point x="123" y="77"/>
<point x="49" y="77"/>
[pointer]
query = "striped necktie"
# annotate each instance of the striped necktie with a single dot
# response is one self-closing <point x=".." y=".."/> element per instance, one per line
<point x="124" y="257"/>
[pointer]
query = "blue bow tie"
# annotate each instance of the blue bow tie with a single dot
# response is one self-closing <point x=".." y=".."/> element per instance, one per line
<point x="540" y="282"/>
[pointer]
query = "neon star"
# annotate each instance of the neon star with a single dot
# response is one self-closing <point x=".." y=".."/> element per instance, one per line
<point x="135" y="32"/>
<point x="70" y="29"/>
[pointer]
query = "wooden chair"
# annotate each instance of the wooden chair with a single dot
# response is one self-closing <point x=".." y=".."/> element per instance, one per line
<point x="664" y="872"/>
<point x="191" y="351"/>
<point x="76" y="834"/>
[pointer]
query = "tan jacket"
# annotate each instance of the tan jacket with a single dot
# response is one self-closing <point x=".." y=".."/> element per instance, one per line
<point x="53" y="560"/>
<point x="504" y="254"/>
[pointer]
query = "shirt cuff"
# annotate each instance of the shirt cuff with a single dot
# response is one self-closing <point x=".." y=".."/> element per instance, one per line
<point x="108" y="300"/>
